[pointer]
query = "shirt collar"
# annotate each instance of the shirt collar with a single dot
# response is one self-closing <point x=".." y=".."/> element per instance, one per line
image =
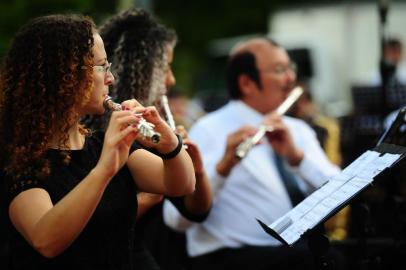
<point x="246" y="113"/>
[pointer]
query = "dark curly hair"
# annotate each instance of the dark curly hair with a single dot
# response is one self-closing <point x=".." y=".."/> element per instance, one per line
<point x="42" y="83"/>
<point x="137" y="44"/>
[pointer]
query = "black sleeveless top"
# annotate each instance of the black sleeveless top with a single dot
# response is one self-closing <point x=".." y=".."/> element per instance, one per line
<point x="107" y="241"/>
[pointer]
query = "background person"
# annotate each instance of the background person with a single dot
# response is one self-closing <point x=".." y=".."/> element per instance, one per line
<point x="142" y="50"/>
<point x="287" y="165"/>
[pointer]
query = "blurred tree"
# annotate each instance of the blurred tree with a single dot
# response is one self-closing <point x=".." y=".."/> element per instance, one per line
<point x="198" y="22"/>
<point x="15" y="13"/>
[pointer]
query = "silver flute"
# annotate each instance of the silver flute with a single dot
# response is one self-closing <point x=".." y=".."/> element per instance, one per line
<point x="243" y="148"/>
<point x="168" y="113"/>
<point x="145" y="128"/>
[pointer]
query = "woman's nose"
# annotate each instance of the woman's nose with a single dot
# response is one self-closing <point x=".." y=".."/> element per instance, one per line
<point x="109" y="78"/>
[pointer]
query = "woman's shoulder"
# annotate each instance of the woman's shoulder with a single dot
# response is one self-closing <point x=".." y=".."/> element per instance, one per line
<point x="13" y="185"/>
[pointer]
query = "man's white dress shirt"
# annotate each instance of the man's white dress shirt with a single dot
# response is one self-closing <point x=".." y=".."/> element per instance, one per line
<point x="253" y="189"/>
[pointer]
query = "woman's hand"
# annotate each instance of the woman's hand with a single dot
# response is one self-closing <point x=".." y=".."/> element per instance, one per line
<point x="168" y="140"/>
<point x="118" y="139"/>
<point x="200" y="201"/>
<point x="192" y="149"/>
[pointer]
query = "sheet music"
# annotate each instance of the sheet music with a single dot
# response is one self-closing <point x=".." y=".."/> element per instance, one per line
<point x="339" y="189"/>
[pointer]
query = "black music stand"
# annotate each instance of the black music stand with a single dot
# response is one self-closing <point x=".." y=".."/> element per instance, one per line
<point x="307" y="218"/>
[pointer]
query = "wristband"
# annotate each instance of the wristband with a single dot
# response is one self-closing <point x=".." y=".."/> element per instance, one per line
<point x="171" y="154"/>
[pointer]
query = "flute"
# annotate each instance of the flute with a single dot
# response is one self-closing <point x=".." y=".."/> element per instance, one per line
<point x="145" y="128"/>
<point x="168" y="113"/>
<point x="243" y="148"/>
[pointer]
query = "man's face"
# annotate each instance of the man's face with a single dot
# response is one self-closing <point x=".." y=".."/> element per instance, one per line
<point x="277" y="77"/>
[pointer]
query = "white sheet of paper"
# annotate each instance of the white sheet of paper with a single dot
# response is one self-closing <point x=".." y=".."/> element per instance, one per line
<point x="331" y="195"/>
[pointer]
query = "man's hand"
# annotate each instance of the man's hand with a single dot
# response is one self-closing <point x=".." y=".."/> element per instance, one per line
<point x="281" y="139"/>
<point x="229" y="159"/>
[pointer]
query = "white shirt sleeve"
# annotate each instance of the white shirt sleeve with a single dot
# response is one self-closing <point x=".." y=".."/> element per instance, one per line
<point x="315" y="168"/>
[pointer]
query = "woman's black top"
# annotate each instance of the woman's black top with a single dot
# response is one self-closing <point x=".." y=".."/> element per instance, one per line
<point x="107" y="241"/>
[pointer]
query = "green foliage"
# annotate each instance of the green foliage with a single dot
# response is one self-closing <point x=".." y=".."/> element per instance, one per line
<point x="198" y="23"/>
<point x="17" y="12"/>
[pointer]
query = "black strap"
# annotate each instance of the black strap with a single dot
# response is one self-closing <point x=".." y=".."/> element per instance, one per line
<point x="171" y="154"/>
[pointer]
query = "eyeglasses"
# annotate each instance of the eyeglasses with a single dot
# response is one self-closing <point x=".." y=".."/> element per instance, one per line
<point x="282" y="69"/>
<point x="103" y="68"/>
<point x="100" y="68"/>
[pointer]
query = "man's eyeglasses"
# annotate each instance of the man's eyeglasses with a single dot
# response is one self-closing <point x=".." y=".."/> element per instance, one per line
<point x="282" y="69"/>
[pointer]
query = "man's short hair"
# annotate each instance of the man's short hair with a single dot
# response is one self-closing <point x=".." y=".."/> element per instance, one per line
<point x="239" y="63"/>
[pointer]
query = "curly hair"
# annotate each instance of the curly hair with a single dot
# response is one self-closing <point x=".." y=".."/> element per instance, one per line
<point x="42" y="83"/>
<point x="137" y="44"/>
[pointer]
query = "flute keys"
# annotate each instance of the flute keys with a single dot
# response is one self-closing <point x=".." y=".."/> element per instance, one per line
<point x="146" y="130"/>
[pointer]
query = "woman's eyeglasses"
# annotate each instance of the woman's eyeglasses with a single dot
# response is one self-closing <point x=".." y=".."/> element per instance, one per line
<point x="103" y="68"/>
<point x="106" y="68"/>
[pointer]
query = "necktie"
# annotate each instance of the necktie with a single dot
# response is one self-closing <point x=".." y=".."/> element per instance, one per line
<point x="289" y="180"/>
